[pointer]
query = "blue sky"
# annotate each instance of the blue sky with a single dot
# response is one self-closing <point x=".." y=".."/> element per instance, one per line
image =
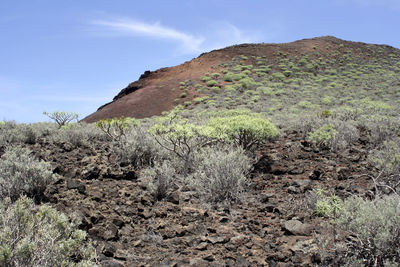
<point x="76" y="55"/>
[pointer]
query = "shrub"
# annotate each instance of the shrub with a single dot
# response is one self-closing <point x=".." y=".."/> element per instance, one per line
<point x="160" y="179"/>
<point x="220" y="173"/>
<point x="180" y="137"/>
<point x="215" y="75"/>
<point x="62" y="117"/>
<point x="212" y="83"/>
<point x="13" y="133"/>
<point x="387" y="160"/>
<point x="332" y="133"/>
<point x="247" y="82"/>
<point x="323" y="135"/>
<point x="228" y="77"/>
<point x="33" y="235"/>
<point x="78" y="134"/>
<point x="243" y="130"/>
<point x="375" y="227"/>
<point x="183" y="95"/>
<point x="115" y="128"/>
<point x="22" y="174"/>
<point x="205" y="78"/>
<point x="138" y="148"/>
<point x="278" y="76"/>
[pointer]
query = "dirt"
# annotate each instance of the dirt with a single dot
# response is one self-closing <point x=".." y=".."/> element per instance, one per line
<point x="271" y="226"/>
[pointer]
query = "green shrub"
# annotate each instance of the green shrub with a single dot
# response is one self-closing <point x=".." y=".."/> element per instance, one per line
<point x="215" y="75"/>
<point x="247" y="82"/>
<point x="243" y="130"/>
<point x="265" y="90"/>
<point x="211" y="83"/>
<point x="22" y="174"/>
<point x="33" y="235"/>
<point x="324" y="135"/>
<point x="205" y="78"/>
<point x="183" y="95"/>
<point x="220" y="173"/>
<point x="278" y="76"/>
<point x="62" y="117"/>
<point x="115" y="128"/>
<point x="228" y="77"/>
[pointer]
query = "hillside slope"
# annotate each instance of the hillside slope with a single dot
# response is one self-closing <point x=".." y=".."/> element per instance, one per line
<point x="158" y="91"/>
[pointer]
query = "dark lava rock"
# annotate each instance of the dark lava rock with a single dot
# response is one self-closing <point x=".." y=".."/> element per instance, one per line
<point x="108" y="232"/>
<point x="173" y="198"/>
<point x="315" y="174"/>
<point x="75" y="184"/>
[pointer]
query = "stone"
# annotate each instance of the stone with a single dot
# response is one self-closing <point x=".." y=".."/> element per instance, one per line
<point x="295" y="227"/>
<point x="75" y="184"/>
<point x="109" y="249"/>
<point x="202" y="246"/>
<point x="315" y="174"/>
<point x="293" y="190"/>
<point x="122" y="254"/>
<point x="108" y="232"/>
<point x="173" y="197"/>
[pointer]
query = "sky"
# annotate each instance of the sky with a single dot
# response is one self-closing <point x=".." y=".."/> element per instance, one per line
<point x="76" y="55"/>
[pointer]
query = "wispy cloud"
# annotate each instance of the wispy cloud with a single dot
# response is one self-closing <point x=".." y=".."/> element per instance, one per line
<point x="131" y="27"/>
<point x="216" y="37"/>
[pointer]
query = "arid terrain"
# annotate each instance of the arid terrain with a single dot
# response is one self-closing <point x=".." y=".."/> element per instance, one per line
<point x="335" y="105"/>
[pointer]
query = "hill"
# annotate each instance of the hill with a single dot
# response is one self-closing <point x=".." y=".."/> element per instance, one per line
<point x="325" y="57"/>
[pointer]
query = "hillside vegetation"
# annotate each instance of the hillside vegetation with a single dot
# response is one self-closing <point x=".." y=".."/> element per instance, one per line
<point x="270" y="155"/>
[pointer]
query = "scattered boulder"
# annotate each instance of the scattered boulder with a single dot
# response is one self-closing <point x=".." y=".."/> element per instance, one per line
<point x="295" y="227"/>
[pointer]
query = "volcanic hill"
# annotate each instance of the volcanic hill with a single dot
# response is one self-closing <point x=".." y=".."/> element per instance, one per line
<point x="158" y="91"/>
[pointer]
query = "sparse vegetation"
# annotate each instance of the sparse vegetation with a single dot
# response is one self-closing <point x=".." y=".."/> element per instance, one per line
<point x="283" y="126"/>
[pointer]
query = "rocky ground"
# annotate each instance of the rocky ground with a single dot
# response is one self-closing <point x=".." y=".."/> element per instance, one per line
<point x="273" y="225"/>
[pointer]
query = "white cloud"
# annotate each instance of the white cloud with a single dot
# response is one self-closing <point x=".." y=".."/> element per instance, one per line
<point x="218" y="35"/>
<point x="127" y="26"/>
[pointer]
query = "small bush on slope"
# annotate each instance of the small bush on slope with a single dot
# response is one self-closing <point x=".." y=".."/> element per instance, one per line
<point x="159" y="179"/>
<point x="22" y="174"/>
<point x="138" y="148"/>
<point x="33" y="235"/>
<point x="374" y="227"/>
<point x="386" y="159"/>
<point x="220" y="173"/>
